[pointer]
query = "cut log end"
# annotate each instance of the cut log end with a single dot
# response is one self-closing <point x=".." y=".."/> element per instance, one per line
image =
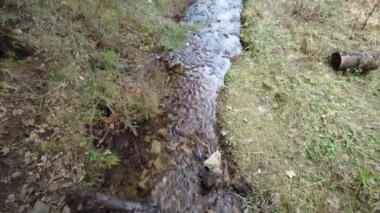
<point x="355" y="60"/>
<point x="336" y="60"/>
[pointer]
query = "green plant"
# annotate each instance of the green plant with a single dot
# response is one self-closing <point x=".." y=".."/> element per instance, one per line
<point x="110" y="160"/>
<point x="105" y="161"/>
<point x="175" y="36"/>
<point x="365" y="182"/>
<point x="110" y="58"/>
<point x="92" y="156"/>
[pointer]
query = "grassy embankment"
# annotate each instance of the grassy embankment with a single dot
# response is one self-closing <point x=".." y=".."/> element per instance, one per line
<point x="89" y="60"/>
<point x="307" y="137"/>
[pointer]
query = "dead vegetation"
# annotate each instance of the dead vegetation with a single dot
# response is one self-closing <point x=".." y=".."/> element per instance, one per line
<point x="85" y="81"/>
<point x="306" y="12"/>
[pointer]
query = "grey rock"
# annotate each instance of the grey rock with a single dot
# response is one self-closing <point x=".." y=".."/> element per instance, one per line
<point x="40" y="207"/>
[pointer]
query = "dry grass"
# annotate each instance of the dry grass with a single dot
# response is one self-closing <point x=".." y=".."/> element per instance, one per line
<point x="284" y="109"/>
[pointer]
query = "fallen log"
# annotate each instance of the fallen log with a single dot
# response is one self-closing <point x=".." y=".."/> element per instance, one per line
<point x="116" y="204"/>
<point x="345" y="61"/>
<point x="89" y="201"/>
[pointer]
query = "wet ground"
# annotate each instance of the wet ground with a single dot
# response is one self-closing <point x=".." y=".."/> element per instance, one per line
<point x="162" y="162"/>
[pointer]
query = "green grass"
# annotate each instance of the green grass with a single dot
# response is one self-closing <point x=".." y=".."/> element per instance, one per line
<point x="285" y="109"/>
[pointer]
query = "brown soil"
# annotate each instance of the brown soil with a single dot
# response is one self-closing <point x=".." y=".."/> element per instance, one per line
<point x="132" y="178"/>
<point x="22" y="113"/>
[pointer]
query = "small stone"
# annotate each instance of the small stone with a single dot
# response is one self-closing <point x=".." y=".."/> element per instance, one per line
<point x="163" y="133"/>
<point x="17" y="112"/>
<point x="25" y="192"/>
<point x="5" y="150"/>
<point x="16" y="175"/>
<point x="223" y="133"/>
<point x="18" y="31"/>
<point x="214" y="163"/>
<point x="290" y="174"/>
<point x="29" y="157"/>
<point x="172" y="146"/>
<point x="66" y="209"/>
<point x="28" y="122"/>
<point x="11" y="198"/>
<point x="186" y="149"/>
<point x="156" y="147"/>
<point x="143" y="174"/>
<point x="147" y="139"/>
<point x="142" y="183"/>
<point x="107" y="152"/>
<point x="3" y="112"/>
<point x="40" y="207"/>
<point x="259" y="171"/>
<point x="333" y="204"/>
<point x="157" y="163"/>
<point x="4" y="132"/>
<point x="24" y="208"/>
<point x="262" y="109"/>
<point x="53" y="187"/>
<point x="171" y="117"/>
<point x="184" y="140"/>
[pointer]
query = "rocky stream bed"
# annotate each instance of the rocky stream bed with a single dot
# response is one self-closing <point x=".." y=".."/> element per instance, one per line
<point x="169" y="168"/>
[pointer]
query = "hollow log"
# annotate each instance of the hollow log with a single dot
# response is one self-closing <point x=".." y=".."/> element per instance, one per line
<point x="355" y="60"/>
